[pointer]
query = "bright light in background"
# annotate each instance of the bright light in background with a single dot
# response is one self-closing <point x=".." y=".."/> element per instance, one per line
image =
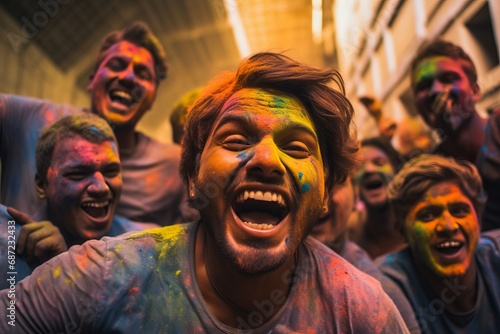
<point x="239" y="32"/>
<point x="317" y="20"/>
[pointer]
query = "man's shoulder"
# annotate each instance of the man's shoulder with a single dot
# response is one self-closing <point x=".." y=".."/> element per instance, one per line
<point x="339" y="273"/>
<point x="396" y="264"/>
<point x="168" y="234"/>
<point x="488" y="248"/>
<point x="491" y="237"/>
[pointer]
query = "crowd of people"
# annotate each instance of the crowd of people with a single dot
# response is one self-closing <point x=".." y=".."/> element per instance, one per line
<point x="266" y="214"/>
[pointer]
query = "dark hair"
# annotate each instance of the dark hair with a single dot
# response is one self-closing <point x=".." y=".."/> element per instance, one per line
<point x="329" y="109"/>
<point x="141" y="35"/>
<point x="89" y="126"/>
<point x="385" y="146"/>
<point x="446" y="49"/>
<point x="179" y="113"/>
<point x="427" y="170"/>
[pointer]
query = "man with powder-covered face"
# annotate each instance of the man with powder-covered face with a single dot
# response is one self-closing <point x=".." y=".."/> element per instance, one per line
<point x="123" y="86"/>
<point x="377" y="234"/>
<point x="450" y="272"/>
<point x="262" y="147"/>
<point x="445" y="88"/>
<point x="78" y="175"/>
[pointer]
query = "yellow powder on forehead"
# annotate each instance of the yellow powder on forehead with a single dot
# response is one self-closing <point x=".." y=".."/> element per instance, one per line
<point x="259" y="97"/>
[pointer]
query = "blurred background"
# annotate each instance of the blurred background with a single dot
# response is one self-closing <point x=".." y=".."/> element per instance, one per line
<point x="48" y="47"/>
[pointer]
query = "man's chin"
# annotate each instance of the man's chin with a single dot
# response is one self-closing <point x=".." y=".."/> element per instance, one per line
<point x="377" y="204"/>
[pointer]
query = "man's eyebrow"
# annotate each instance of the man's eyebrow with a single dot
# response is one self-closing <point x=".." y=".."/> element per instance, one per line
<point x="246" y="122"/>
<point x="292" y="125"/>
<point x="241" y="120"/>
<point x="86" y="167"/>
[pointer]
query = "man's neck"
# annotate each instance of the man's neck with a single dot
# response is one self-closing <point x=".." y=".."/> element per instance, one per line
<point x="231" y="295"/>
<point x="459" y="293"/>
<point x="466" y="143"/>
<point x="127" y="140"/>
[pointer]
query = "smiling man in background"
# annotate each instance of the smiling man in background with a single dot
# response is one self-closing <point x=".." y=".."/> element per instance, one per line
<point x="449" y="273"/>
<point x="78" y="175"/>
<point x="377" y="234"/>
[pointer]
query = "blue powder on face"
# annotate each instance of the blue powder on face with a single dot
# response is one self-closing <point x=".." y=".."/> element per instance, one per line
<point x="300" y="175"/>
<point x="242" y="155"/>
<point x="306" y="187"/>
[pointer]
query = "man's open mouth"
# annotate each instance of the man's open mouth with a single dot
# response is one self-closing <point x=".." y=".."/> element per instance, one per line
<point x="97" y="210"/>
<point x="373" y="182"/>
<point x="122" y="97"/>
<point x="260" y="210"/>
<point x="449" y="247"/>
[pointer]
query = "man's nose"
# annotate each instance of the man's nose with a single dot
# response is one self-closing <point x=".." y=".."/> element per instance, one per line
<point x="128" y="74"/>
<point x="266" y="159"/>
<point x="98" y="185"/>
<point x="370" y="167"/>
<point x="447" y="224"/>
<point x="438" y="87"/>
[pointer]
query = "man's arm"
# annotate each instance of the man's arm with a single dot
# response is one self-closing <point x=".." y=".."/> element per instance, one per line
<point x="61" y="296"/>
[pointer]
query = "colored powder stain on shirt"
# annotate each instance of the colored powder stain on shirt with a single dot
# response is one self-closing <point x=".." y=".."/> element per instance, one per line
<point x="178" y="272"/>
<point x="133" y="290"/>
<point x="167" y="237"/>
<point x="56" y="272"/>
<point x="301" y="175"/>
<point x="305" y="187"/>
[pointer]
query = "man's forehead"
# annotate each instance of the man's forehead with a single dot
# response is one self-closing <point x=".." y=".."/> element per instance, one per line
<point x="82" y="148"/>
<point x="129" y="49"/>
<point x="256" y="100"/>
<point x="431" y="65"/>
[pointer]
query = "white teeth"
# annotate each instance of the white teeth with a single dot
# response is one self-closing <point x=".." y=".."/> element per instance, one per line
<point x="259" y="226"/>
<point x="95" y="204"/>
<point x="260" y="196"/>
<point x="448" y="244"/>
<point x="122" y="94"/>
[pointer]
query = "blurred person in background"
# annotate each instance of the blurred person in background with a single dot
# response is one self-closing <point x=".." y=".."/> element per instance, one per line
<point x="377" y="234"/>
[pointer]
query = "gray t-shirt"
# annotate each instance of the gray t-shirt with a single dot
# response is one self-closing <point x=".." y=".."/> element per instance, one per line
<point x="145" y="282"/>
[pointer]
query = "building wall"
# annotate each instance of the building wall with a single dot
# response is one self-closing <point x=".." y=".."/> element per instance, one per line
<point x="26" y="70"/>
<point x="376" y="41"/>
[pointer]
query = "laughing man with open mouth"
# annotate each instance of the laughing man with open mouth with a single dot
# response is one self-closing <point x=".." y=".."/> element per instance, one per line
<point x="262" y="147"/>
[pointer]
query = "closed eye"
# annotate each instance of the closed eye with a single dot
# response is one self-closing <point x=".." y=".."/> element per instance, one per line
<point x="235" y="143"/>
<point x="296" y="149"/>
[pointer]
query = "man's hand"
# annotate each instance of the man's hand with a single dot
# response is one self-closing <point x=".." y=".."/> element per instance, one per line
<point x="38" y="240"/>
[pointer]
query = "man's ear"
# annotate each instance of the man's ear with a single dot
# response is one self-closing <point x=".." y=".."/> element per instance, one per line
<point x="191" y="188"/>
<point x="326" y="197"/>
<point x="40" y="187"/>
<point x="476" y="92"/>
